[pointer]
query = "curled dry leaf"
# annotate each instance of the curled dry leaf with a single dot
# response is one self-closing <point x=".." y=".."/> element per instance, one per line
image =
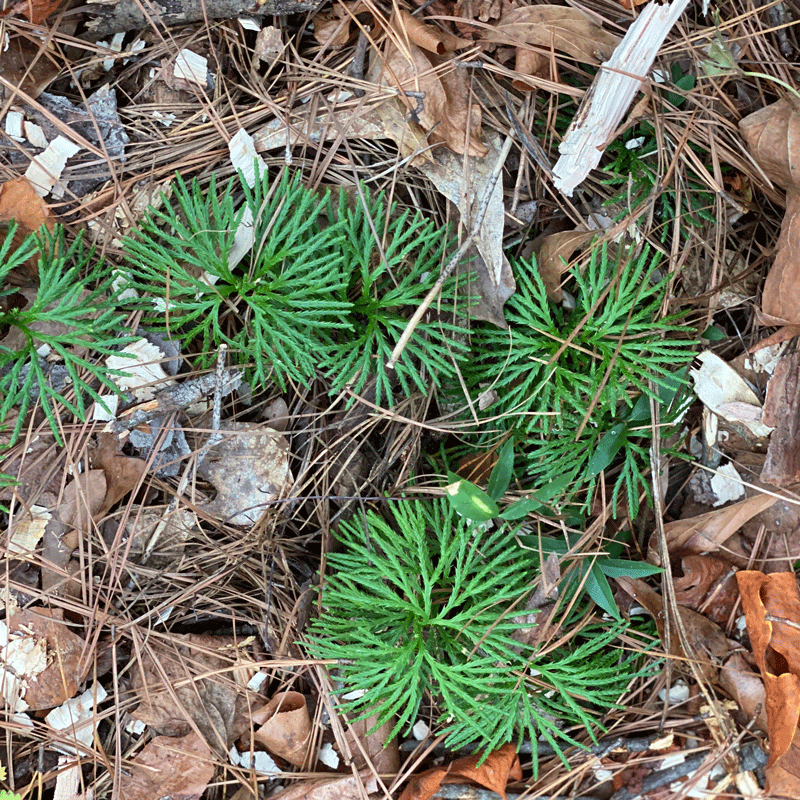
<point x="439" y="99"/>
<point x="499" y="767"/>
<point x="707" y="582"/>
<point x="772" y="135"/>
<point x="554" y="27"/>
<point x="428" y="38"/>
<point x="284" y="727"/>
<point x="709" y="532"/>
<point x="771" y="605"/>
<point x="553" y="253"/>
<point x="706" y="641"/>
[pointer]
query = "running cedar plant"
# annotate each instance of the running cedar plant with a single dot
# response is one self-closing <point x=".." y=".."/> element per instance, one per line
<point x="591" y="577"/>
<point x="575" y="385"/>
<point x="47" y="330"/>
<point x="427" y="603"/>
<point x="316" y="293"/>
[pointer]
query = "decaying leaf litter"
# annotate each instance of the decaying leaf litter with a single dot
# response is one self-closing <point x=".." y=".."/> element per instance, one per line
<point x="163" y="549"/>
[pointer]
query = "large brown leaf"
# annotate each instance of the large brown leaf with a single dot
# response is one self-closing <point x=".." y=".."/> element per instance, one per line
<point x="772" y="135"/>
<point x="555" y="27"/>
<point x="771" y="605"/>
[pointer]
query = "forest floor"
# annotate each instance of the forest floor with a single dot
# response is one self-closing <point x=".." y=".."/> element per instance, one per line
<point x="551" y="551"/>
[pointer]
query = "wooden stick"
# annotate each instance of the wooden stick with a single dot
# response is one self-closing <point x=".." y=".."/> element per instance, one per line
<point x="452" y="263"/>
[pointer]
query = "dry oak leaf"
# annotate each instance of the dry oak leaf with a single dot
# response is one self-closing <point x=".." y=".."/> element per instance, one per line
<point x="494" y="774"/>
<point x="554" y="27"/>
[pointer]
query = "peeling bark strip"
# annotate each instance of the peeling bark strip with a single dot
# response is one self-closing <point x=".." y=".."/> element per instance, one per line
<point x="128" y="15"/>
<point x="611" y="93"/>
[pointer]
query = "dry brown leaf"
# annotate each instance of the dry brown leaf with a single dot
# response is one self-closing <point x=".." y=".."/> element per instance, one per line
<point x="466" y="186"/>
<point x="19" y="201"/>
<point x="55" y="659"/>
<point x="772" y="135"/>
<point x="351" y="787"/>
<point x="35" y="11"/>
<point x="554" y="27"/>
<point x="553" y="253"/>
<point x="780" y="298"/>
<point x="708" y="582"/>
<point x="332" y="25"/>
<point x="206" y="677"/>
<point x="123" y="474"/>
<point x="708" y="532"/>
<point x="528" y="62"/>
<point x="439" y="99"/>
<point x="706" y="640"/>
<point x="771" y="604"/>
<point x="80" y="502"/>
<point x="494" y="774"/>
<point x="284" y="727"/>
<point x="373" y="749"/>
<point x="27" y="64"/>
<point x="179" y="767"/>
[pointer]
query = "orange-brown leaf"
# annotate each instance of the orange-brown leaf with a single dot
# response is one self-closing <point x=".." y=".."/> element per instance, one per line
<point x="771" y="605"/>
<point x="495" y="772"/>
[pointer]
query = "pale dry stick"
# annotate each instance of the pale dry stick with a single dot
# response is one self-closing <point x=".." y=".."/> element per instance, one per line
<point x="451" y="265"/>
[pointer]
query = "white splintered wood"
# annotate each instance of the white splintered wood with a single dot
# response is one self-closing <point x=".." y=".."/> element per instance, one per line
<point x="612" y="91"/>
<point x="191" y="67"/>
<point x="45" y="170"/>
